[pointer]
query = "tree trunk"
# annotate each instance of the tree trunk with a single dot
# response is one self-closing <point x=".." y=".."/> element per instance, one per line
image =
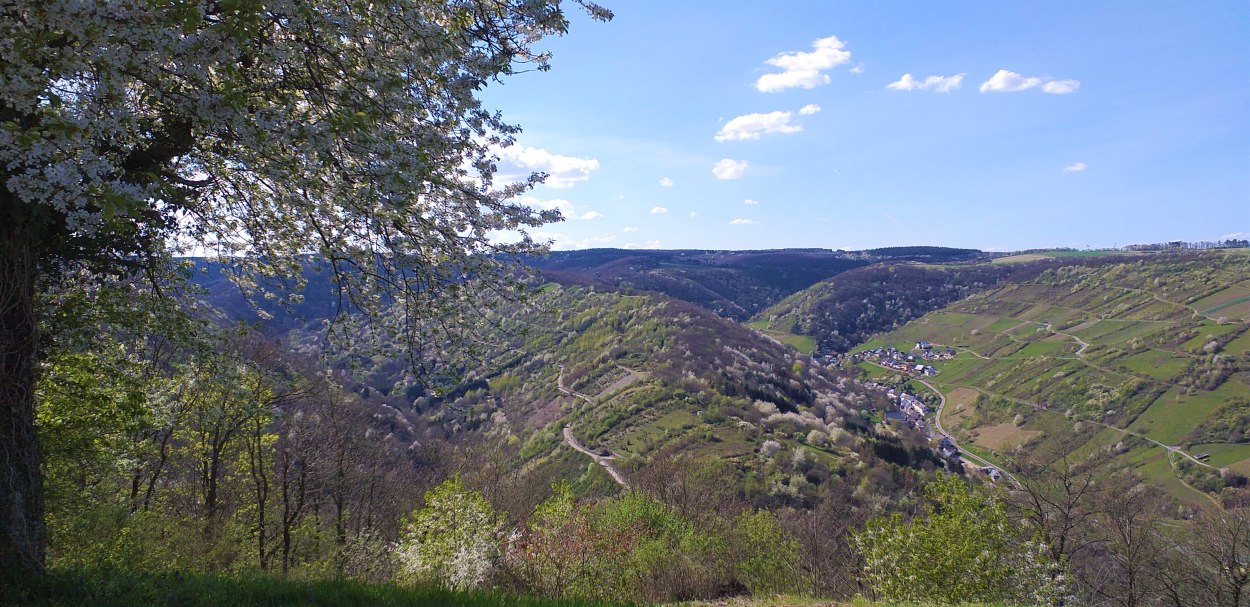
<point x="23" y="536"/>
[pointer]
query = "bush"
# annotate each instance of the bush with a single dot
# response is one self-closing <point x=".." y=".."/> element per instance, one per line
<point x="454" y="541"/>
<point x="767" y="559"/>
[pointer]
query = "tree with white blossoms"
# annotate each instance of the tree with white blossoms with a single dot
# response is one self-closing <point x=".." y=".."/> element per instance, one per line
<point x="277" y="133"/>
<point x="961" y="550"/>
<point x="455" y="540"/>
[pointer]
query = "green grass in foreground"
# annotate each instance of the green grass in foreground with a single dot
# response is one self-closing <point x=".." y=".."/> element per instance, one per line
<point x="801" y="601"/>
<point x="107" y="587"/>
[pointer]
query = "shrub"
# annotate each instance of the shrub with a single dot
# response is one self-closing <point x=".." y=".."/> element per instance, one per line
<point x="454" y="541"/>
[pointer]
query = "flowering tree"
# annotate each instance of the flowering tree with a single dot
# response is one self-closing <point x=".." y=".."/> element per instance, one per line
<point x="455" y="540"/>
<point x="277" y="132"/>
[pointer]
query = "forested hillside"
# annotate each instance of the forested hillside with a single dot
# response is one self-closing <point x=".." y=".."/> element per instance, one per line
<point x="843" y="311"/>
<point x="734" y="284"/>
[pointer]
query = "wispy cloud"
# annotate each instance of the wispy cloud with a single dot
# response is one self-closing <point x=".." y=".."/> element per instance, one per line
<point x="742" y="222"/>
<point x="1075" y="167"/>
<point x="629" y="229"/>
<point x="752" y="126"/>
<point x="667" y="183"/>
<point x="804" y="68"/>
<point x="658" y="210"/>
<point x="750" y="202"/>
<point x="809" y="109"/>
<point x="938" y="84"/>
<point x="591" y="215"/>
<point x="1006" y="81"/>
<point x="859" y="69"/>
<point x="517" y="161"/>
<point x="693" y="214"/>
<point x="728" y="168"/>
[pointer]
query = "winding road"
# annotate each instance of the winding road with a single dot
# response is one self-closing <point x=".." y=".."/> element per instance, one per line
<point x="602" y="460"/>
<point x="937" y="425"/>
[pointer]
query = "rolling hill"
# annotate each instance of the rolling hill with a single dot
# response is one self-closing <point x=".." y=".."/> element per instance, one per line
<point x="632" y="377"/>
<point x="836" y="314"/>
<point x="734" y="284"/>
<point x="1147" y="359"/>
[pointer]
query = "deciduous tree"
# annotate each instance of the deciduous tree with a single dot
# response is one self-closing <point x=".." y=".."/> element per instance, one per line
<point x="280" y="132"/>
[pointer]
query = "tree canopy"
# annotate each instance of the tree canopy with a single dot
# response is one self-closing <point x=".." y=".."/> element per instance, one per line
<point x="277" y="133"/>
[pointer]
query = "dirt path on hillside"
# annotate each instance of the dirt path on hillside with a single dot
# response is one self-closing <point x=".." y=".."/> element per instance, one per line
<point x="1050" y="326"/>
<point x="602" y="460"/>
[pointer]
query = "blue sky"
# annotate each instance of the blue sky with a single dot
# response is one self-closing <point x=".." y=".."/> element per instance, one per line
<point x="1021" y="125"/>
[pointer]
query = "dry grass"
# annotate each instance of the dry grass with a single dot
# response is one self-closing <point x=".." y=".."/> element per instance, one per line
<point x="1003" y="437"/>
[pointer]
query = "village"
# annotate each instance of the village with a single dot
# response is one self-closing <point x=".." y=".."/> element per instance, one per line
<point x="912" y="411"/>
<point x="906" y="362"/>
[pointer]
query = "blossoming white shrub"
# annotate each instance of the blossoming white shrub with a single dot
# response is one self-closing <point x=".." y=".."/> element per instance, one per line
<point x="454" y="541"/>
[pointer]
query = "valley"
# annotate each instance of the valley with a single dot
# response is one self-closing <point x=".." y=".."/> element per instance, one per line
<point x="567" y="304"/>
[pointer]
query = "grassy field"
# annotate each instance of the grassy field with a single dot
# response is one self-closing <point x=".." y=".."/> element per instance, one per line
<point x="800" y="601"/>
<point x="1223" y="454"/>
<point x="1174" y="415"/>
<point x="1003" y="437"/>
<point x="118" y="588"/>
<point x="803" y="343"/>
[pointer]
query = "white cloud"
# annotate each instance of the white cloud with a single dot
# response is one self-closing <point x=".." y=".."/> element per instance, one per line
<point x="653" y="244"/>
<point x="629" y="229"/>
<point x="1235" y="236"/>
<point x="658" y="210"/>
<point x="1005" y="81"/>
<point x="517" y="161"/>
<point x="750" y="202"/>
<point x="859" y="69"/>
<point x="809" y="79"/>
<point x="1061" y="87"/>
<point x="667" y="183"/>
<point x="592" y="215"/>
<point x="804" y="69"/>
<point x="809" y="109"/>
<point x="727" y="168"/>
<point x="693" y="214"/>
<point x="940" y="84"/>
<point x="742" y="222"/>
<point x="751" y="126"/>
<point x="828" y="53"/>
<point x="1075" y="168"/>
<point x="565" y="207"/>
<point x="630" y="245"/>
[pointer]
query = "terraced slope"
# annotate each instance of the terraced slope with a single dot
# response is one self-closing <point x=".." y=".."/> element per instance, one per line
<point x="1148" y="359"/>
<point x="636" y="377"/>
